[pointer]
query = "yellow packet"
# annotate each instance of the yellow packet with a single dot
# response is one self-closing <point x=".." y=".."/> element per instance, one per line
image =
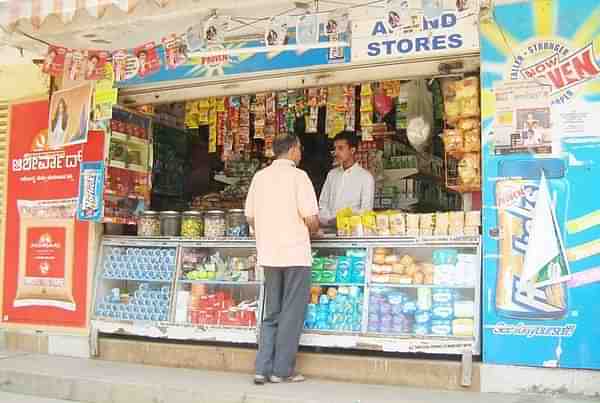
<point x="356" y="226"/>
<point x="369" y="222"/>
<point x="343" y="222"/>
<point x="366" y="90"/>
<point x="220" y="104"/>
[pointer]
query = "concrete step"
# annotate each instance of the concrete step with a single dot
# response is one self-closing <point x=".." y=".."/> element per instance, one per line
<point x="97" y="381"/>
<point x="436" y="374"/>
<point x="15" y="398"/>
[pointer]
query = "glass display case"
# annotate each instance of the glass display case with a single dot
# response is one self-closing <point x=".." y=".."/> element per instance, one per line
<point x="395" y="294"/>
<point x="135" y="282"/>
<point x="385" y="294"/>
<point x="218" y="286"/>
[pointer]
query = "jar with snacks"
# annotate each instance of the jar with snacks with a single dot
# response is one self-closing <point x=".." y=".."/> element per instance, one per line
<point x="214" y="224"/>
<point x="170" y="223"/>
<point x="237" y="227"/>
<point x="192" y="224"/>
<point x="149" y="224"/>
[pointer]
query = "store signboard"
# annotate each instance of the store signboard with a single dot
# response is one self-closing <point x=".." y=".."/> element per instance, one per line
<point x="233" y="59"/>
<point x="46" y="248"/>
<point x="540" y="86"/>
<point x="451" y="33"/>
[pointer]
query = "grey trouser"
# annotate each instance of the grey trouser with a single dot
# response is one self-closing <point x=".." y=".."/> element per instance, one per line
<point x="287" y="291"/>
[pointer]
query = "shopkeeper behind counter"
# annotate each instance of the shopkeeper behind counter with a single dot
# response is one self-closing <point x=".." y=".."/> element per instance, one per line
<point x="348" y="185"/>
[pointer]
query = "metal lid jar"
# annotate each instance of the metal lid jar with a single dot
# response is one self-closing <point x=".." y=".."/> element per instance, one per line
<point x="192" y="224"/>
<point x="214" y="224"/>
<point x="237" y="226"/>
<point x="149" y="224"/>
<point x="170" y="223"/>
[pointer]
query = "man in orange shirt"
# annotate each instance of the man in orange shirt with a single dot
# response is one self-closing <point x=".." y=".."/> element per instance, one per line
<point x="282" y="208"/>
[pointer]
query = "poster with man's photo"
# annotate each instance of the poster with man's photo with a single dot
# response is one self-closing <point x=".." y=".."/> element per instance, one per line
<point x="125" y="65"/>
<point x="54" y="62"/>
<point x="523" y="123"/>
<point x="215" y="29"/>
<point x="69" y="116"/>
<point x="336" y="29"/>
<point x="75" y="66"/>
<point x="404" y="16"/>
<point x="148" y="59"/>
<point x="94" y="66"/>
<point x="277" y="30"/>
<point x="175" y="52"/>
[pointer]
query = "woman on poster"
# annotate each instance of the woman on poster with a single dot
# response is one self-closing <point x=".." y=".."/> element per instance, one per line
<point x="60" y="122"/>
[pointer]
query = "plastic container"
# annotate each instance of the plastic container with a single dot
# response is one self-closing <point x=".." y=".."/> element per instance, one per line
<point x="328" y="276"/>
<point x="237" y="226"/>
<point x="192" y="224"/>
<point x="443" y="295"/>
<point x="214" y="224"/>
<point x="441" y="327"/>
<point x="443" y="311"/>
<point x="170" y="223"/>
<point x="343" y="270"/>
<point x="149" y="224"/>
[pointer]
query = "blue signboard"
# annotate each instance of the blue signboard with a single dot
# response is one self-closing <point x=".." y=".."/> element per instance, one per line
<point x="541" y="160"/>
<point x="233" y="59"/>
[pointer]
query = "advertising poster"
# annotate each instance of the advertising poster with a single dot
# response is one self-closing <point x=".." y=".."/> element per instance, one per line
<point x="227" y="59"/>
<point x="54" y="62"/>
<point x="540" y="86"/>
<point x="148" y="59"/>
<point x="46" y="250"/>
<point x="90" y="204"/>
<point x="105" y="95"/>
<point x="69" y="116"/>
<point x="95" y="63"/>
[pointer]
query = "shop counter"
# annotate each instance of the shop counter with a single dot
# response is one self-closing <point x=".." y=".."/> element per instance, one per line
<point x="394" y="294"/>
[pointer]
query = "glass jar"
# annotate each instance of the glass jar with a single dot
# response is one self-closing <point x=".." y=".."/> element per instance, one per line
<point x="149" y="224"/>
<point x="192" y="225"/>
<point x="214" y="224"/>
<point x="170" y="223"/>
<point x="237" y="226"/>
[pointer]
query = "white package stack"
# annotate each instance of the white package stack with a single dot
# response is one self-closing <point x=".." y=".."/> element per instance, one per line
<point x="468" y="266"/>
<point x="181" y="309"/>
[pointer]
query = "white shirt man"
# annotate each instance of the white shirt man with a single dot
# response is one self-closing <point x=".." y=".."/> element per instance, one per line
<point x="347" y="186"/>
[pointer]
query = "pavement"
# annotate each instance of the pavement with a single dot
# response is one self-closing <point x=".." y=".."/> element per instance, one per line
<point x="15" y="398"/>
<point x="37" y="378"/>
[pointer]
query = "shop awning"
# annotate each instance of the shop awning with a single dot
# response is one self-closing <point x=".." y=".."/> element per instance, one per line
<point x="35" y="12"/>
<point x="116" y="24"/>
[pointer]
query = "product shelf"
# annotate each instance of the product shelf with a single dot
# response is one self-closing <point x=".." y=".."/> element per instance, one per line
<point x="220" y="282"/>
<point x="416" y="286"/>
<point x="137" y="280"/>
<point x="327" y="332"/>
<point x="113" y="193"/>
<point x="187" y="314"/>
<point x="419" y="336"/>
<point x="315" y="284"/>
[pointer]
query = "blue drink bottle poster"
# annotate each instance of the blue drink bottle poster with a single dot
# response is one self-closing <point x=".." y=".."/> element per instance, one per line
<point x="541" y="161"/>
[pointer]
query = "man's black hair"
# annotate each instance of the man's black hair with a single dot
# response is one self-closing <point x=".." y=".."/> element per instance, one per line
<point x="284" y="143"/>
<point x="349" y="136"/>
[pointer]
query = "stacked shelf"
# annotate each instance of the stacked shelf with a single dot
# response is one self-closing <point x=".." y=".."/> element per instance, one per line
<point x="216" y="293"/>
<point x="127" y="183"/>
